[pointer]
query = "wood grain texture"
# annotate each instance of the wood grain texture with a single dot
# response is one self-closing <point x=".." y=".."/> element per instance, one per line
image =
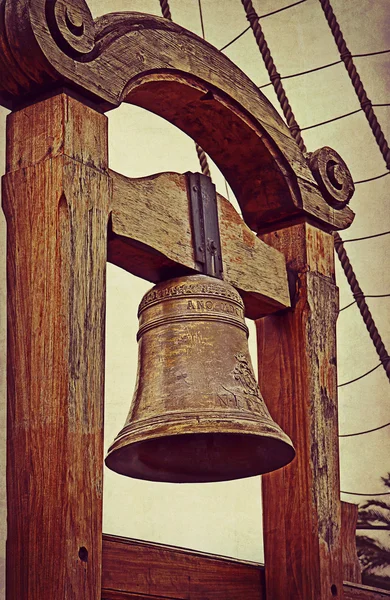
<point x="297" y="375"/>
<point x="351" y="566"/>
<point x="156" y="64"/>
<point x="56" y="212"/>
<point x="363" y="592"/>
<point x="149" y="570"/>
<point x="137" y="569"/>
<point x="60" y="128"/>
<point x="151" y="238"/>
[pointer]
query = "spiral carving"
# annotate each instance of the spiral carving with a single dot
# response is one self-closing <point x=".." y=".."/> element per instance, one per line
<point x="332" y="175"/>
<point x="71" y="25"/>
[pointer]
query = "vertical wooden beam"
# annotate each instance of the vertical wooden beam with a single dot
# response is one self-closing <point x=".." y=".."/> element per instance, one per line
<point x="55" y="198"/>
<point x="352" y="571"/>
<point x="297" y="375"/>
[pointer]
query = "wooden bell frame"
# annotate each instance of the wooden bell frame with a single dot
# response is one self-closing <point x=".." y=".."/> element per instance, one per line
<point x="67" y="212"/>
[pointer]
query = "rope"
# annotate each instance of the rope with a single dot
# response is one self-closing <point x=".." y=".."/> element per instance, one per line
<point x="204" y="165"/>
<point x="314" y="69"/>
<point x="360" y="376"/>
<point x="353" y="112"/>
<point x="365" y="296"/>
<point x="347" y="59"/>
<point x="274" y="76"/>
<point x="344" y="435"/>
<point x="201" y="18"/>
<point x="372" y="178"/>
<point x="365" y="527"/>
<point x="366" y="237"/>
<point x="274" y="12"/>
<point x="337" y="62"/>
<point x="166" y="13"/>
<point x="361" y="494"/>
<point x="360" y="301"/>
<point x="295" y="131"/>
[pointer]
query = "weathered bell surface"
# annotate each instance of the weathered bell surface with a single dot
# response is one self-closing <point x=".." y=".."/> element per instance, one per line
<point x="197" y="413"/>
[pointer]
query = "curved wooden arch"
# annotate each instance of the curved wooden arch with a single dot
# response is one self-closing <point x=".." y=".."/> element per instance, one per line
<point x="158" y="65"/>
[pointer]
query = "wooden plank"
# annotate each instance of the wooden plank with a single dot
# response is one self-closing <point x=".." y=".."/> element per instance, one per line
<point x="351" y="566"/>
<point x="56" y="212"/>
<point x="150" y="570"/>
<point x="353" y="591"/>
<point x="137" y="569"/>
<point x="115" y="595"/>
<point x="297" y="376"/>
<point x="151" y="238"/>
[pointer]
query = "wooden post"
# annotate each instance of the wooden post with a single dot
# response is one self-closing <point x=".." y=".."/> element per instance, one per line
<point x="351" y="566"/>
<point x="297" y="375"/>
<point x="55" y="198"/>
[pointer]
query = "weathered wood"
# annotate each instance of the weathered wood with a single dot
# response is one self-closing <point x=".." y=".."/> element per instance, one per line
<point x="151" y="238"/>
<point x="137" y="569"/>
<point x="351" y="566"/>
<point x="56" y="209"/>
<point x="364" y="592"/>
<point x="57" y="127"/>
<point x="297" y="375"/>
<point x="150" y="570"/>
<point x="160" y="66"/>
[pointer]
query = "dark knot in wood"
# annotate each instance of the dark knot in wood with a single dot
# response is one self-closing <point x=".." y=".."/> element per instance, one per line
<point x="71" y="25"/>
<point x="332" y="175"/>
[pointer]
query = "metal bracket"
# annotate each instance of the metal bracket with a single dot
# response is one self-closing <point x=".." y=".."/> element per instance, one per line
<point x="205" y="228"/>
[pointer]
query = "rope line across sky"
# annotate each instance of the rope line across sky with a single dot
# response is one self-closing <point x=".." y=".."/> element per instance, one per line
<point x="345" y="435"/>
<point x="274" y="12"/>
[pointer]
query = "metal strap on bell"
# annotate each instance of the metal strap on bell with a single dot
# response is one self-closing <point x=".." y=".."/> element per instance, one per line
<point x="197" y="413"/>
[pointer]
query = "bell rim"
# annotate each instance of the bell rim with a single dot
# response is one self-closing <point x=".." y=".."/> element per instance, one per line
<point x="190" y="427"/>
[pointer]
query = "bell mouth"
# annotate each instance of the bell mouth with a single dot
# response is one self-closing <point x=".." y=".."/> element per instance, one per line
<point x="200" y="457"/>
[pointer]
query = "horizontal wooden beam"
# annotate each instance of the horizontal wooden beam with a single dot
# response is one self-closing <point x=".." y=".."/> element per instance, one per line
<point x="154" y="570"/>
<point x="151" y="237"/>
<point x="357" y="591"/>
<point x="137" y="569"/>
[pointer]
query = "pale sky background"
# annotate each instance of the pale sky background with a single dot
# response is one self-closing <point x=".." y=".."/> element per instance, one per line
<point x="225" y="518"/>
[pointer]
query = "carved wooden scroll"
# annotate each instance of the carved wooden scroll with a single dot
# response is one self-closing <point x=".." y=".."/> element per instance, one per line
<point x="158" y="65"/>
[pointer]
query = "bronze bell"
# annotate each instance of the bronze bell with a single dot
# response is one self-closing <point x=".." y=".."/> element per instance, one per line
<point x="197" y="413"/>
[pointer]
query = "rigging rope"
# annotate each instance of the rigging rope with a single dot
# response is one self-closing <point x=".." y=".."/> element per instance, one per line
<point x="332" y="64"/>
<point x="295" y="132"/>
<point x="347" y="59"/>
<point x="274" y="76"/>
<point x="360" y="301"/>
<point x="344" y="435"/>
<point x="353" y="112"/>
<point x="365" y="296"/>
<point x="361" y="494"/>
<point x="366" y="237"/>
<point x="372" y="178"/>
<point x="164" y="4"/>
<point x="360" y="376"/>
<point x="274" y="12"/>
